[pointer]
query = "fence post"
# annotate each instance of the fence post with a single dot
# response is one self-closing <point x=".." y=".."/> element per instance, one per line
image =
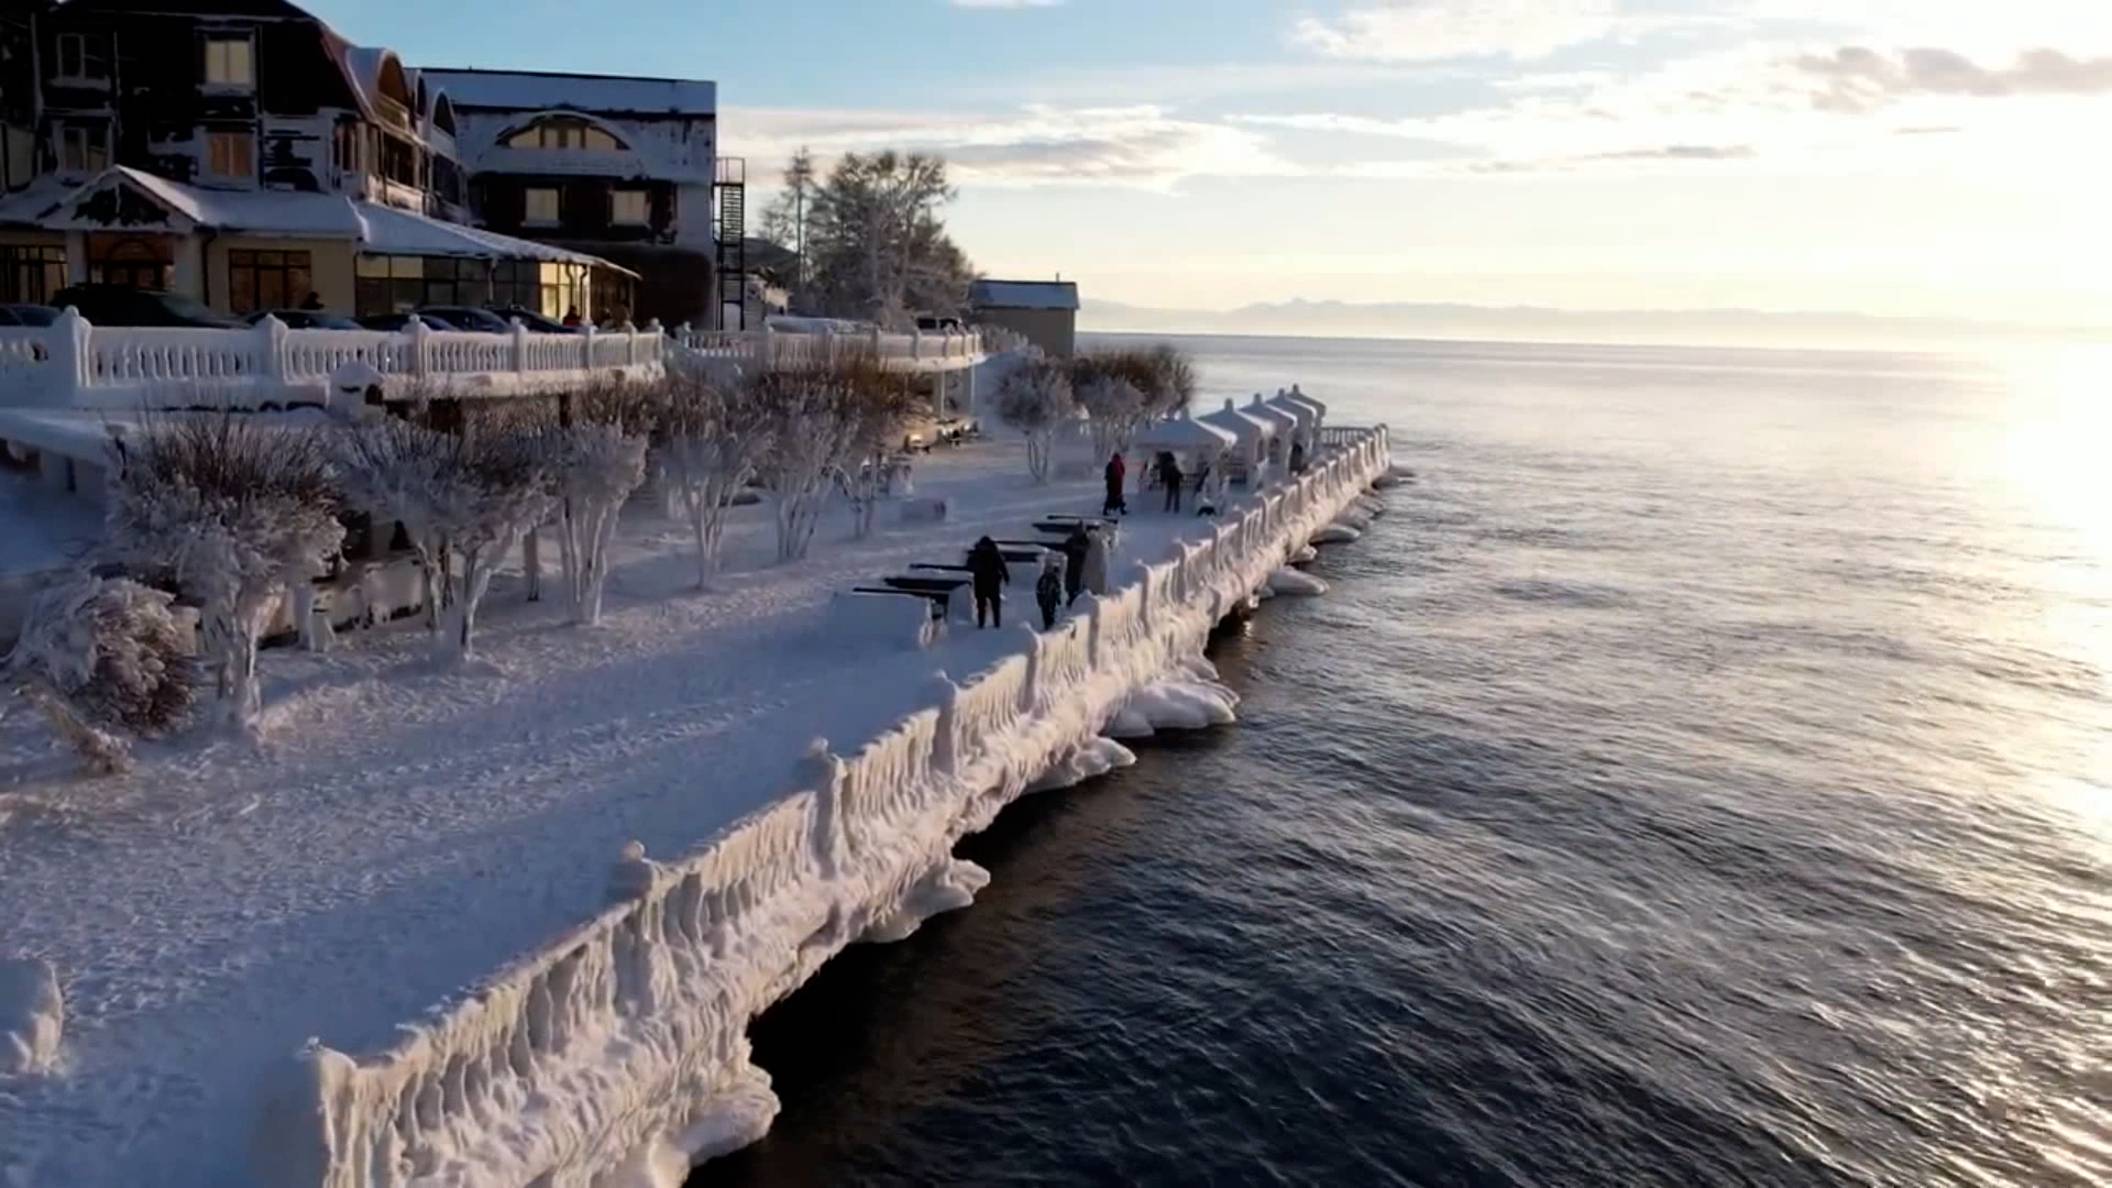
<point x="520" y="346"/>
<point x="270" y="345"/>
<point x="916" y="343"/>
<point x="419" y="334"/>
<point x="586" y="339"/>
<point x="769" y="347"/>
<point x="945" y="738"/>
<point x="822" y="771"/>
<point x="70" y="345"/>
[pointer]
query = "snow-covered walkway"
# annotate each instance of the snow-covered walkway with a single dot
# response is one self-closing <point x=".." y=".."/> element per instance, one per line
<point x="407" y="830"/>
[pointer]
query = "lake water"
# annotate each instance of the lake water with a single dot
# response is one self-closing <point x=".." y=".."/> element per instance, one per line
<point x="1702" y="776"/>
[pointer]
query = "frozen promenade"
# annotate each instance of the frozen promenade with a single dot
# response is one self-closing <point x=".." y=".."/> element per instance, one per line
<point x="407" y="833"/>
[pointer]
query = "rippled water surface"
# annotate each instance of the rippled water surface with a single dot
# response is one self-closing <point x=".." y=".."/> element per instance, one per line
<point x="1702" y="776"/>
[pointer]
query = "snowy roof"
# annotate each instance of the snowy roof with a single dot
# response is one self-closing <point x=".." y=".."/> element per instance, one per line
<point x="529" y="90"/>
<point x="1300" y="397"/>
<point x="27" y="205"/>
<point x="1004" y="294"/>
<point x="307" y="215"/>
<point x="1238" y="423"/>
<point x="1307" y="415"/>
<point x="1282" y="418"/>
<point x="1185" y="433"/>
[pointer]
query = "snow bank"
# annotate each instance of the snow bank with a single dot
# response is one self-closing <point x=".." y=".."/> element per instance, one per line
<point x="617" y="1053"/>
<point x="32" y="1017"/>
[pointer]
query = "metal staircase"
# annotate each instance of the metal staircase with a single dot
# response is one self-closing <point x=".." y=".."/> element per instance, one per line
<point x="729" y="227"/>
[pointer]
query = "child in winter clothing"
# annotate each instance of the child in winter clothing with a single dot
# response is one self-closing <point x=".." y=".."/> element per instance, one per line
<point x="1048" y="588"/>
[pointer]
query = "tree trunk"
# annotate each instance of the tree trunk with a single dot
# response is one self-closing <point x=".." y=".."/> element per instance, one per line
<point x="532" y="562"/>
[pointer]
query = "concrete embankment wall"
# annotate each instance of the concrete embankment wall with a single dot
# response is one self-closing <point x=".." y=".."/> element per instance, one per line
<point x="622" y="1044"/>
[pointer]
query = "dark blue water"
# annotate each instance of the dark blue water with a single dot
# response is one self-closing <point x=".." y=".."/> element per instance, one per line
<point x="1702" y="776"/>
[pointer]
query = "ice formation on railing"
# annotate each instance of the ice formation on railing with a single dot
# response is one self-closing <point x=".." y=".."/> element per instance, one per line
<point x="624" y="1039"/>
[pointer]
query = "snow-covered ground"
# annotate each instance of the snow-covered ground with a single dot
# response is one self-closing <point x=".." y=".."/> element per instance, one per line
<point x="406" y="830"/>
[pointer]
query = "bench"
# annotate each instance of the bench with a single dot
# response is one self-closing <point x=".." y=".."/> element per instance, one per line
<point x="938" y="600"/>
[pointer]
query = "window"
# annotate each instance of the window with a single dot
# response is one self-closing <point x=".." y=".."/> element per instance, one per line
<point x="83" y="148"/>
<point x="392" y="284"/>
<point x="31" y="274"/>
<point x="231" y="155"/>
<point x="81" y="56"/>
<point x="629" y="208"/>
<point x="228" y="63"/>
<point x="267" y="280"/>
<point x="564" y="135"/>
<point x="539" y="206"/>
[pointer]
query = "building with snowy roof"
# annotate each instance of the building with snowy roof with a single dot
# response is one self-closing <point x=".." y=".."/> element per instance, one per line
<point x="622" y="168"/>
<point x="1045" y="312"/>
<point x="253" y="156"/>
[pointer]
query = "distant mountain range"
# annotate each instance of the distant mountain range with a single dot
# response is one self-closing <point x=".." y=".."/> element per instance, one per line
<point x="1731" y="327"/>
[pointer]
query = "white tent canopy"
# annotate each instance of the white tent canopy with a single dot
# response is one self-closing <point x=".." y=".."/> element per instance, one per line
<point x="1285" y="421"/>
<point x="1307" y="416"/>
<point x="1186" y="435"/>
<point x="1252" y="435"/>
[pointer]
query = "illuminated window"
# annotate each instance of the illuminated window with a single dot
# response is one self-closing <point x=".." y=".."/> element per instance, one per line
<point x="228" y="62"/>
<point x="539" y="206"/>
<point x="231" y="156"/>
<point x="629" y="208"/>
<point x="267" y="280"/>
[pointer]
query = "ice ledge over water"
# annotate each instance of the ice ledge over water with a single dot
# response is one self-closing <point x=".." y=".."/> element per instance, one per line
<point x="618" y="1054"/>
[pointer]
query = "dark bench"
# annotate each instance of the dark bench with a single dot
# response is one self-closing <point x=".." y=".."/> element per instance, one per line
<point x="925" y="585"/>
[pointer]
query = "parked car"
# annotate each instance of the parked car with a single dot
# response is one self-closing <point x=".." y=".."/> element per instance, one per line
<point x="305" y="319"/>
<point x="469" y="317"/>
<point x="27" y="315"/>
<point x="123" y="305"/>
<point x="396" y="323"/>
<point x="535" y="322"/>
<point x="929" y="324"/>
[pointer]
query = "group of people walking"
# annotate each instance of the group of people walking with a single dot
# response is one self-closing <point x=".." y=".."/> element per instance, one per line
<point x="1170" y="475"/>
<point x="1077" y="565"/>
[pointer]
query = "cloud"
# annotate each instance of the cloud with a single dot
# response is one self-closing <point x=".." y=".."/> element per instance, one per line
<point x="1435" y="30"/>
<point x="1856" y="79"/>
<point x="1143" y="146"/>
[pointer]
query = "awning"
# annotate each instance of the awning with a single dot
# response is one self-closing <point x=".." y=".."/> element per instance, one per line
<point x="1286" y="422"/>
<point x="122" y="198"/>
<point x="1248" y="429"/>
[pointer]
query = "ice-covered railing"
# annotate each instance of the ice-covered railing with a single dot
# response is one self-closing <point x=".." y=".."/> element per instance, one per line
<point x="554" y="1067"/>
<point x="74" y="363"/>
<point x="768" y="347"/>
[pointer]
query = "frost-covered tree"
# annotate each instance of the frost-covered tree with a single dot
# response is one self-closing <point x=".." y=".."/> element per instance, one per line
<point x="1169" y="380"/>
<point x="711" y="443"/>
<point x="1036" y="400"/>
<point x="878" y="405"/>
<point x="785" y="219"/>
<point x="596" y="460"/>
<point x="1115" y="407"/>
<point x="101" y="655"/>
<point x="876" y="247"/>
<point x="813" y="433"/>
<point x="230" y="511"/>
<point x="464" y="501"/>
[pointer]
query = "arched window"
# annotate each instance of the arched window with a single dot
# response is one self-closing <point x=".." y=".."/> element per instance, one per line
<point x="564" y="133"/>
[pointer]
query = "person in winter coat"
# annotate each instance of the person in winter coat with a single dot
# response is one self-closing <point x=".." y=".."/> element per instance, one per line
<point x="1075" y="547"/>
<point x="986" y="566"/>
<point x="1095" y="576"/>
<point x="1297" y="457"/>
<point x="1048" y="588"/>
<point x="572" y="317"/>
<point x="1117" y="471"/>
<point x="1170" y="474"/>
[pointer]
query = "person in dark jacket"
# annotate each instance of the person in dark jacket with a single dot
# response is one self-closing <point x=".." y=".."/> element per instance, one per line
<point x="1075" y="547"/>
<point x="1048" y="588"/>
<point x="1117" y="472"/>
<point x="986" y="566"/>
<point x="312" y="301"/>
<point x="1297" y="457"/>
<point x="1170" y="474"/>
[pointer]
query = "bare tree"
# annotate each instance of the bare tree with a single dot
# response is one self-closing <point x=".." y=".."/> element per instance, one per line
<point x="812" y="434"/>
<point x="1105" y="385"/>
<point x="878" y="405"/>
<point x="712" y="442"/>
<point x="1036" y="400"/>
<point x="464" y="501"/>
<point x="231" y="511"/>
<point x="596" y="461"/>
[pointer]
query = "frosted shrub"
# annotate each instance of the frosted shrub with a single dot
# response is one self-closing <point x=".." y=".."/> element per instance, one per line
<point x="97" y="656"/>
<point x="231" y="511"/>
<point x="812" y="434"/>
<point x="712" y="442"/>
<point x="464" y="501"/>
<point x="1036" y="400"/>
<point x="1114" y="405"/>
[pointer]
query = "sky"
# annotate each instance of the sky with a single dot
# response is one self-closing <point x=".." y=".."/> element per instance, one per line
<point x="1903" y="158"/>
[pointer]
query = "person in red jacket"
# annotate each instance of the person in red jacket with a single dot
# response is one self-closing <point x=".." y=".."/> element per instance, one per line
<point x="1117" y="471"/>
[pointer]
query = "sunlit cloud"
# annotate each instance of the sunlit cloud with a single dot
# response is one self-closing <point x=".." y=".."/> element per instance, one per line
<point x="1858" y="79"/>
<point x="1436" y="30"/>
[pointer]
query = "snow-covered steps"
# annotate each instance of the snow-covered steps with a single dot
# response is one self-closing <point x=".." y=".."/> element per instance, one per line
<point x="617" y="1052"/>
